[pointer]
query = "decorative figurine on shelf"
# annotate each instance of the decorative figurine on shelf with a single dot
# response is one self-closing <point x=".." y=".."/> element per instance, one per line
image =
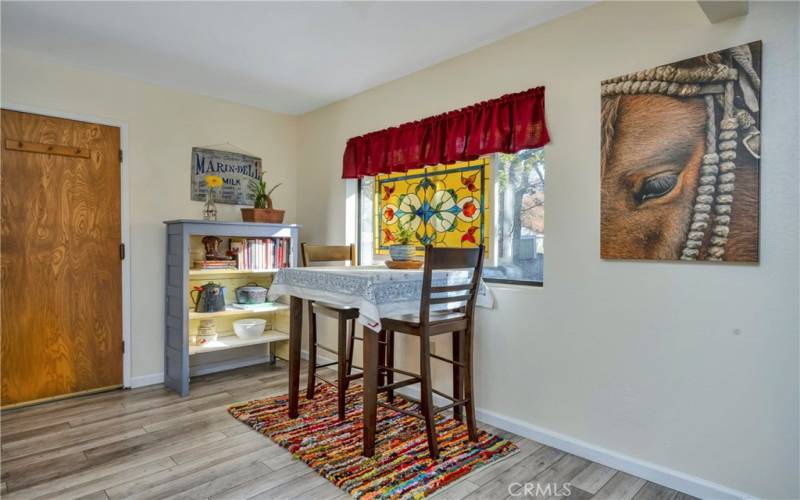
<point x="210" y="207"/>
<point x="262" y="210"/>
<point x="212" y="248"/>
<point x="206" y="332"/>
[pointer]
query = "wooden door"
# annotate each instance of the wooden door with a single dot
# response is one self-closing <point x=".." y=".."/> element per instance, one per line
<point x="61" y="304"/>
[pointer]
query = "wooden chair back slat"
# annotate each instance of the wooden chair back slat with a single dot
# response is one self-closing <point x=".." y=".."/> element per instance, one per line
<point x="450" y="300"/>
<point x="328" y="253"/>
<point x="452" y="258"/>
<point x="445" y="259"/>
<point x="451" y="288"/>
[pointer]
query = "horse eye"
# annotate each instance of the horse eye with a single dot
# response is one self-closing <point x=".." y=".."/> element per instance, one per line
<point x="656" y="186"/>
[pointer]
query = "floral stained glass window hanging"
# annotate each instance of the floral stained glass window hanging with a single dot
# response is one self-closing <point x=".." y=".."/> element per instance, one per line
<point x="444" y="205"/>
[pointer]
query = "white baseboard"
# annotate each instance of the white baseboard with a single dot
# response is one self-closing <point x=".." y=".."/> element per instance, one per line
<point x="158" y="378"/>
<point x="143" y="380"/>
<point x="664" y="476"/>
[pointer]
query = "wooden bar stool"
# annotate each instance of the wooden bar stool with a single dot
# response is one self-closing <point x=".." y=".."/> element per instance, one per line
<point x="343" y="315"/>
<point x="457" y="319"/>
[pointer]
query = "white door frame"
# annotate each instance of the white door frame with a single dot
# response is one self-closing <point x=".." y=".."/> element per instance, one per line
<point x="125" y="225"/>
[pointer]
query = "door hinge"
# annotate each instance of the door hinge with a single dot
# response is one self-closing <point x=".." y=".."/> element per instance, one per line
<point x="122" y="251"/>
<point x="120" y="156"/>
<point x="123" y="347"/>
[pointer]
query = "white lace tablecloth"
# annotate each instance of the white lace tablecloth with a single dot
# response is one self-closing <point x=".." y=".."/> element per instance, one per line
<point x="376" y="291"/>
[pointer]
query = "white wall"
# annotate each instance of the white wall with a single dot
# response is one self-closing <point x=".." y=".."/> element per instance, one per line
<point x="163" y="126"/>
<point x="689" y="367"/>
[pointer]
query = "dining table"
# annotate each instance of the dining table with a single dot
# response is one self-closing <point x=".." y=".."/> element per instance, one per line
<point x="377" y="292"/>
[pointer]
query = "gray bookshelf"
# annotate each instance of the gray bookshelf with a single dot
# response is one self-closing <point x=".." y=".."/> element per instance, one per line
<point x="182" y="237"/>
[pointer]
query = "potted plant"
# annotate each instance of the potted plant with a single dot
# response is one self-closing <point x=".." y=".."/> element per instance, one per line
<point x="403" y="249"/>
<point x="262" y="210"/>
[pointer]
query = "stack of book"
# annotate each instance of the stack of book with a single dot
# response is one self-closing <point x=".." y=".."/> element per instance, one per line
<point x="214" y="264"/>
<point x="261" y="253"/>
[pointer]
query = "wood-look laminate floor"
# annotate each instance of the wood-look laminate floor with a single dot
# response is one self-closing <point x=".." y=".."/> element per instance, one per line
<point x="149" y="443"/>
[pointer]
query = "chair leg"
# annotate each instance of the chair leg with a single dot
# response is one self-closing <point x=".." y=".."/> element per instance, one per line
<point x="472" y="426"/>
<point x="341" y="372"/>
<point x="312" y="352"/>
<point x="426" y="397"/>
<point x="350" y="348"/>
<point x="381" y="358"/>
<point x="370" y="396"/>
<point x="458" y="384"/>
<point x="390" y="364"/>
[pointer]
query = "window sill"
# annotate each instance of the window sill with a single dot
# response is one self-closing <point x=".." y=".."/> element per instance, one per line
<point x="513" y="284"/>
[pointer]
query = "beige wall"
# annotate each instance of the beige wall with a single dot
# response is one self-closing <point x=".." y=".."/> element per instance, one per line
<point x="689" y="367"/>
<point x="163" y="126"/>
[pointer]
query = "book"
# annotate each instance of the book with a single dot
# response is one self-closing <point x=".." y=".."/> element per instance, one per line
<point x="236" y="247"/>
<point x="214" y="264"/>
<point x="258" y="254"/>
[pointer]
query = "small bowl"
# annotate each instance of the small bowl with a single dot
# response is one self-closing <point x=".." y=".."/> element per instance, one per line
<point x="250" y="328"/>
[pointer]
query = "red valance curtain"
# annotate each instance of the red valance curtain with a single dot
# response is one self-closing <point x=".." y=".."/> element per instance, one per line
<point x="503" y="125"/>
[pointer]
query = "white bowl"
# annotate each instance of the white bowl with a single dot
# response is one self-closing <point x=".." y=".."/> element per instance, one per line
<point x="250" y="328"/>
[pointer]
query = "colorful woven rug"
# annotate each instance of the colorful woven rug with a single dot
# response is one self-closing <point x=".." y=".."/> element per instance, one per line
<point x="401" y="467"/>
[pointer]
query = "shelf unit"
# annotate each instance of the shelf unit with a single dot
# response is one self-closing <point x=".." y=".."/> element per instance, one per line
<point x="235" y="311"/>
<point x="180" y="319"/>
<point x="231" y="341"/>
<point x="210" y="273"/>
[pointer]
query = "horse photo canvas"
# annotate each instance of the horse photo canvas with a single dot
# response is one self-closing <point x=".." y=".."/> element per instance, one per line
<point x="680" y="159"/>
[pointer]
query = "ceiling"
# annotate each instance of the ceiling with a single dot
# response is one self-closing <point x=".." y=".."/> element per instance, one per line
<point x="289" y="57"/>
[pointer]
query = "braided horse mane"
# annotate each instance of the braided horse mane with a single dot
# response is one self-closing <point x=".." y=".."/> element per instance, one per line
<point x="719" y="78"/>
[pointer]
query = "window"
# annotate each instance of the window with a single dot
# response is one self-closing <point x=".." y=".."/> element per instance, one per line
<point x="497" y="199"/>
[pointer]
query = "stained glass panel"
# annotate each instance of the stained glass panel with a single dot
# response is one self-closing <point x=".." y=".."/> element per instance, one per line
<point x="445" y="205"/>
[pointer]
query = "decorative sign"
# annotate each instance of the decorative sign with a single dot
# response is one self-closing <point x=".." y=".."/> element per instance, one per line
<point x="240" y="174"/>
